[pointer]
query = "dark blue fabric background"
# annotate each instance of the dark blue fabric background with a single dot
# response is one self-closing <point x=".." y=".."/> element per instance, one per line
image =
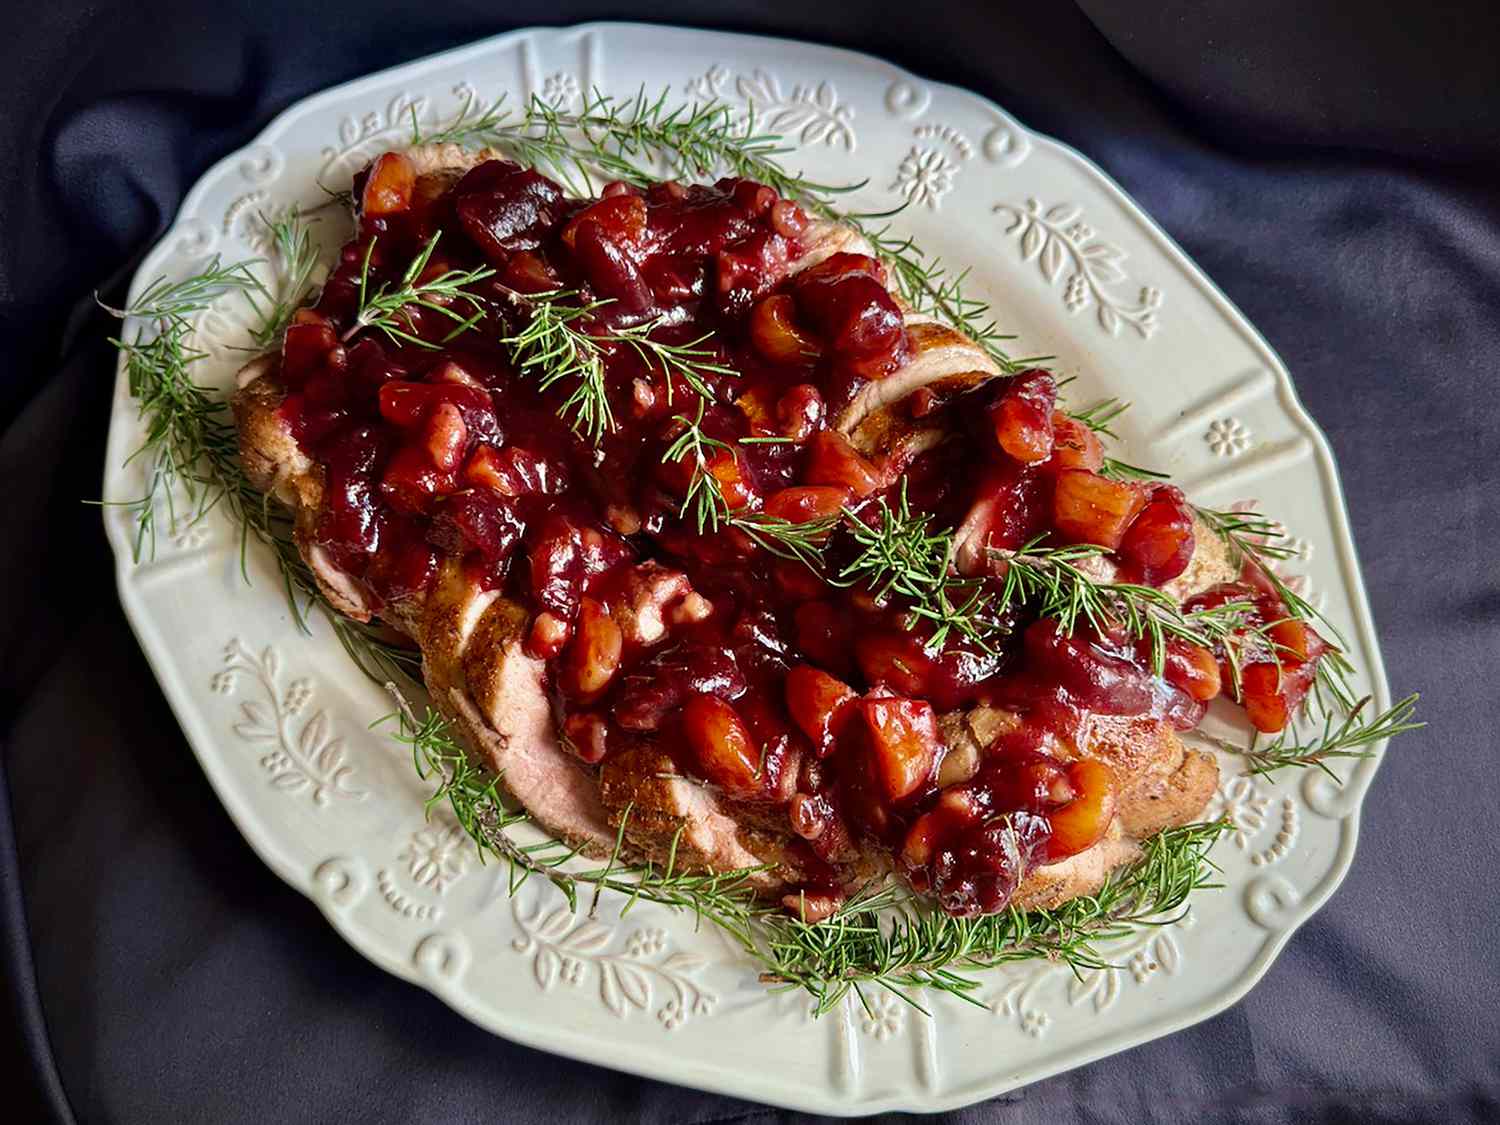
<point x="1332" y="167"/>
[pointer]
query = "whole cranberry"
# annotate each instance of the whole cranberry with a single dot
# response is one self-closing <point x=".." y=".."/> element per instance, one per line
<point x="1158" y="544"/>
<point x="1022" y="415"/>
<point x="748" y="269"/>
<point x="978" y="871"/>
<point x="1095" y="677"/>
<point x="613" y="274"/>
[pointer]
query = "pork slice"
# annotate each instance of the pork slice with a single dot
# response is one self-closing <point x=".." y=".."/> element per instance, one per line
<point x="452" y="612"/>
<point x="824" y="238"/>
<point x="1161" y="783"/>
<point x="274" y="463"/>
<point x="447" y="159"/>
<point x="269" y="452"/>
<point x="481" y="677"/>
<point x="942" y="359"/>
<point x="1045" y="888"/>
<point x="664" y="806"/>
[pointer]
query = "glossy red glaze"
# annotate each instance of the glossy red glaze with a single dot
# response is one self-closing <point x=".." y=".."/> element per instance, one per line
<point x="771" y="683"/>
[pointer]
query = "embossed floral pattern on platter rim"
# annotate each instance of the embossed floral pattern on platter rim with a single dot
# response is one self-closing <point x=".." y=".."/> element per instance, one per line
<point x="885" y="107"/>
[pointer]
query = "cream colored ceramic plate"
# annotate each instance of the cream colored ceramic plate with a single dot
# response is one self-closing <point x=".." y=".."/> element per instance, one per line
<point x="1078" y="271"/>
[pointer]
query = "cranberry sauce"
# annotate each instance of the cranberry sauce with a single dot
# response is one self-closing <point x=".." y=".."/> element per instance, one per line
<point x="753" y="671"/>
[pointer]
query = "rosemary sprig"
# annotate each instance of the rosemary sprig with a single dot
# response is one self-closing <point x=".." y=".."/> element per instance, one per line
<point x="387" y="307"/>
<point x="1252" y="537"/>
<point x="168" y="303"/>
<point x="705" y="494"/>
<point x="193" y="446"/>
<point x="800" y="542"/>
<point x="1100" y="415"/>
<point x="640" y="140"/>
<point x="884" y="937"/>
<point x="554" y="347"/>
<point x="1353" y="736"/>
<point x="705" y="499"/>
<point x="900" y="556"/>
<point x="1116" y="469"/>
<point x="294" y="258"/>
<point x="555" y="344"/>
<point x="691" y="362"/>
<point x="1050" y="579"/>
<point x="887" y="939"/>
<point x="190" y="443"/>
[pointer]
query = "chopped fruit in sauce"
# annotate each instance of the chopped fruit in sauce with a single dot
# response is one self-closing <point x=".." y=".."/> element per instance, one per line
<point x="1075" y="445"/>
<point x="1088" y="508"/>
<point x="725" y="749"/>
<point x="827" y="703"/>
<point x="1082" y="819"/>
<point x="1022" y="416"/>
<point x="904" y="743"/>
<point x="820" y="705"/>
<point x="1158" y="544"/>
<point x="1277" y="663"/>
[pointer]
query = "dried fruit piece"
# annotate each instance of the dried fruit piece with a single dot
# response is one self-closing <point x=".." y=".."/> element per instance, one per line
<point x="832" y="460"/>
<point x="444" y="436"/>
<point x="845" y="298"/>
<point x="1158" y="544"/>
<point x="722" y="745"/>
<point x="1022" y="416"/>
<point x="593" y="656"/>
<point x="587" y="736"/>
<point x="1193" y="669"/>
<point x="895" y="659"/>
<point x="652" y="690"/>
<point x="310" y="346"/>
<point x="389" y="186"/>
<point x="750" y="268"/>
<point x="620" y="217"/>
<point x="1074" y="445"/>
<point x="904" y="741"/>
<point x="820" y="705"/>
<point x="1088" y="508"/>
<point x="776" y="335"/>
<point x="1082" y="822"/>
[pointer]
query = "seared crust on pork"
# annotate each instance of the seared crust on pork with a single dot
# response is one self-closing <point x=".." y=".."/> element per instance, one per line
<point x="480" y="676"/>
<point x="665" y="807"/>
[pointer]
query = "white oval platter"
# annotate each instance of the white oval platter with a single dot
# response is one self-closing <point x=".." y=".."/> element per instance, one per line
<point x="280" y="720"/>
